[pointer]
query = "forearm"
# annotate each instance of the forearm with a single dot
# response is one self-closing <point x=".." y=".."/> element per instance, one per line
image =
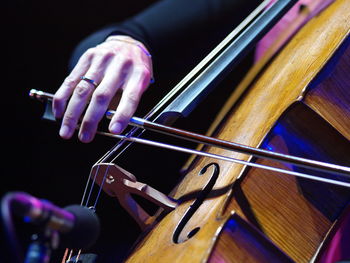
<point x="107" y="63"/>
<point x="178" y="21"/>
<point x="176" y="29"/>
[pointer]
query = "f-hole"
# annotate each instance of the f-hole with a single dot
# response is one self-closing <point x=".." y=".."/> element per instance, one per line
<point x="180" y="235"/>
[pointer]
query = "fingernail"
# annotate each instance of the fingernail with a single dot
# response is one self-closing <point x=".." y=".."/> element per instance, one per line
<point x="65" y="131"/>
<point x="116" y="128"/>
<point x="84" y="137"/>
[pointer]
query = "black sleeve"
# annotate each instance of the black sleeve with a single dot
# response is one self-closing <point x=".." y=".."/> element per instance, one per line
<point x="178" y="32"/>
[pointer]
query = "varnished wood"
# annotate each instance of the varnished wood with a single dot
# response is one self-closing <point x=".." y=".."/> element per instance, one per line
<point x="288" y="219"/>
<point x="295" y="211"/>
<point x="238" y="235"/>
<point x="332" y="95"/>
<point x="304" y="15"/>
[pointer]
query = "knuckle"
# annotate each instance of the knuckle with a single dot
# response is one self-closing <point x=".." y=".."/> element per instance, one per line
<point x="143" y="71"/>
<point x="127" y="61"/>
<point x="82" y="91"/>
<point x="104" y="53"/>
<point x="69" y="82"/>
<point x="102" y="97"/>
<point x="107" y="53"/>
<point x="125" y="67"/>
<point x="69" y="118"/>
<point x="133" y="98"/>
<point x="90" y="52"/>
<point x="58" y="99"/>
<point x="88" y="123"/>
<point x="125" y="57"/>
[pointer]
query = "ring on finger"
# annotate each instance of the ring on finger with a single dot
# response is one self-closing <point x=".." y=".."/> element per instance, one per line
<point x="89" y="80"/>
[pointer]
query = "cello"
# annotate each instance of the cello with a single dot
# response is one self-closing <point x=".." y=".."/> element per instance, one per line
<point x="228" y="212"/>
<point x="266" y="217"/>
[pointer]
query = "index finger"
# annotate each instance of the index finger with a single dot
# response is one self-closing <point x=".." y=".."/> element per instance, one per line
<point x="71" y="81"/>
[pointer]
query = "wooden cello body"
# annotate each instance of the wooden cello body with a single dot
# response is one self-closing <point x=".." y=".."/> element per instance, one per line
<point x="300" y="105"/>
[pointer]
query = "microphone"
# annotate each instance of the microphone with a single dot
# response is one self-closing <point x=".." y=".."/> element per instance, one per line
<point x="78" y="225"/>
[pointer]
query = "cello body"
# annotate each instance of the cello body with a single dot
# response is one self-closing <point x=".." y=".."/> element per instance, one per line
<point x="298" y="105"/>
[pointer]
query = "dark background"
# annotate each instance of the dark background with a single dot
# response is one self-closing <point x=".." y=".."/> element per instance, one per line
<point x="39" y="38"/>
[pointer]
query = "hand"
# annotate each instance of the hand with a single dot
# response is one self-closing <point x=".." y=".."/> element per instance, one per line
<point x="120" y="64"/>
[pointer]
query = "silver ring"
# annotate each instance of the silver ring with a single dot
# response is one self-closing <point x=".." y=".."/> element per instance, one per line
<point x="89" y="80"/>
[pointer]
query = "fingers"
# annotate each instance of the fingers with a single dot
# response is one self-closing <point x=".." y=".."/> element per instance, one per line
<point x="114" y="79"/>
<point x="81" y="96"/>
<point x="113" y="66"/>
<point x="65" y="91"/>
<point x="130" y="99"/>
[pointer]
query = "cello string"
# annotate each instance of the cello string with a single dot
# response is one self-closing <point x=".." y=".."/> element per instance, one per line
<point x="195" y="71"/>
<point x="179" y="87"/>
<point x="114" y="149"/>
<point x="70" y="255"/>
<point x="103" y="159"/>
<point x="106" y="156"/>
<point x="232" y="146"/>
<point x="101" y="186"/>
<point x="175" y="91"/>
<point x="77" y="256"/>
<point x="211" y="56"/>
<point x="90" y="192"/>
<point x="225" y="158"/>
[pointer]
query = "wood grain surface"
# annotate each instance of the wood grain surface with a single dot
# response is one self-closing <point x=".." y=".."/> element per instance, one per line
<point x="279" y="216"/>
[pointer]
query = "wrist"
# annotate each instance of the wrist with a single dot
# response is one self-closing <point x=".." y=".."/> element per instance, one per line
<point x="129" y="40"/>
